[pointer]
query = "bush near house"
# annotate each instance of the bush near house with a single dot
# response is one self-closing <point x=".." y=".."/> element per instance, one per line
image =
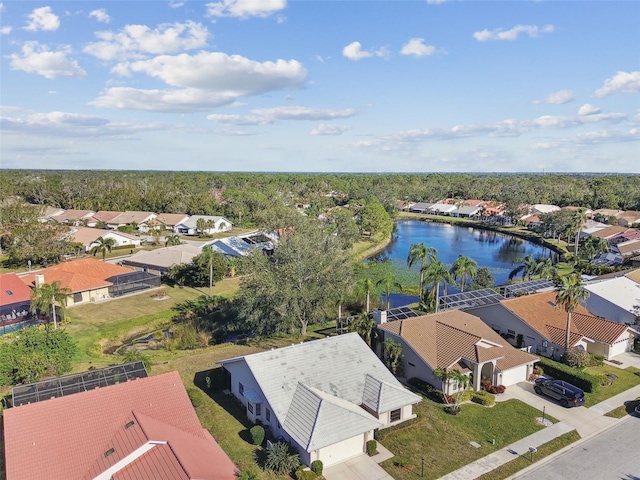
<point x="372" y="447"/>
<point x="305" y="474"/>
<point x="257" y="434"/>
<point x="577" y="357"/>
<point x="588" y="383"/>
<point x="317" y="467"/>
<point x="483" y="397"/>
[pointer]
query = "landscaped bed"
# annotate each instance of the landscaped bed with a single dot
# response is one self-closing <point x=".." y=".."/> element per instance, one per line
<point x="443" y="440"/>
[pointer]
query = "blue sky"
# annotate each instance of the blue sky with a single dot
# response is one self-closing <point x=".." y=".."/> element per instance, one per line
<point x="321" y="86"/>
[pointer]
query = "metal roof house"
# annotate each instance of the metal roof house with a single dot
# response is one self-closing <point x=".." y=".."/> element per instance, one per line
<point x="326" y="397"/>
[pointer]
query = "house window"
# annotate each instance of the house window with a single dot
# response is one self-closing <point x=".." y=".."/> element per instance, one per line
<point x="267" y="413"/>
<point x="250" y="407"/>
<point x="258" y="409"/>
<point x="395" y="415"/>
<point x="77" y="297"/>
<point x="241" y="389"/>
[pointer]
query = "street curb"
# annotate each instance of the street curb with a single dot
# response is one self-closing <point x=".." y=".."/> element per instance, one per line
<point x="565" y="450"/>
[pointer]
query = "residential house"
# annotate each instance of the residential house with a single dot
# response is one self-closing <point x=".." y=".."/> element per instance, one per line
<point x="630" y="248"/>
<point x="606" y="213"/>
<point x="48" y="212"/>
<point x="143" y="220"/>
<point x="170" y="220"/>
<point x="494" y="209"/>
<point x="242" y="245"/>
<point x="629" y="218"/>
<point x="326" y="397"/>
<point x="158" y="261"/>
<point x="73" y="217"/>
<point x="532" y="222"/>
<point x="455" y="340"/>
<point x="88" y="237"/>
<point x="538" y="322"/>
<point x="102" y="217"/>
<point x="609" y="232"/>
<point x="420" y="207"/>
<point x="90" y="280"/>
<point x="615" y="299"/>
<point x="541" y="208"/>
<point x="15" y="299"/>
<point x="467" y="211"/>
<point x="133" y="430"/>
<point x="213" y="224"/>
<point x="442" y="209"/>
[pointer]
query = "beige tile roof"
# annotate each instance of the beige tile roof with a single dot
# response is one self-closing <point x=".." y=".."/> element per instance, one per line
<point x="540" y="312"/>
<point x="442" y="339"/>
<point x="132" y="217"/>
<point x="609" y="231"/>
<point x="634" y="275"/>
<point x="171" y="219"/>
<point x="105" y="215"/>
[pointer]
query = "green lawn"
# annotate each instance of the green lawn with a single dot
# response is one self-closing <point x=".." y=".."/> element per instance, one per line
<point x="97" y="326"/>
<point x="523" y="461"/>
<point x="624" y="410"/>
<point x="443" y="440"/>
<point x="627" y="378"/>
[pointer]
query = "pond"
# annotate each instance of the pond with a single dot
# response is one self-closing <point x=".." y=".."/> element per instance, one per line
<point x="498" y="252"/>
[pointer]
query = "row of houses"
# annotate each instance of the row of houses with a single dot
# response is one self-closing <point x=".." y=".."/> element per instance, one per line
<point x="179" y="223"/>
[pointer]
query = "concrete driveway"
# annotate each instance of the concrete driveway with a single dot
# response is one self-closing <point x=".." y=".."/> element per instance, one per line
<point x="362" y="467"/>
<point x="584" y="420"/>
<point x="628" y="359"/>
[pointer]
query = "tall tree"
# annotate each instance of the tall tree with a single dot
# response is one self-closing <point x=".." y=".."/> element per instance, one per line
<point x="436" y="273"/>
<point x="365" y="327"/>
<point x="48" y="296"/>
<point x="209" y="256"/>
<point x="388" y="282"/>
<point x="299" y="284"/>
<point x="463" y="269"/>
<point x="103" y="246"/>
<point x="374" y="219"/>
<point x="527" y="268"/>
<point x="365" y="286"/>
<point x="172" y="240"/>
<point x="570" y="292"/>
<point x="546" y="269"/>
<point x="420" y="253"/>
<point x="580" y="219"/>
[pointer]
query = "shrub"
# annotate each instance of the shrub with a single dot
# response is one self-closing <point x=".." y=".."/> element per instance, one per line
<point x="596" y="360"/>
<point x="257" y="434"/>
<point x="538" y="370"/>
<point x="496" y="389"/>
<point x="317" y="466"/>
<point x="281" y="459"/>
<point x="247" y="475"/>
<point x="196" y="396"/>
<point x="483" y="398"/>
<point x="583" y="380"/>
<point x="372" y="447"/>
<point x="305" y="474"/>
<point x="577" y="357"/>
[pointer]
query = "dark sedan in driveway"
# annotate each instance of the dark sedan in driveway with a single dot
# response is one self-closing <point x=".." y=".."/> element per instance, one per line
<point x="568" y="395"/>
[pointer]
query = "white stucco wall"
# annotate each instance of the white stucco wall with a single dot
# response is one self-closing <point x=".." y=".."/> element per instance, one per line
<point x="605" y="309"/>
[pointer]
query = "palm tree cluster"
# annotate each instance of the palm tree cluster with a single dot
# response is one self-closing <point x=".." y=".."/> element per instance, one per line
<point x="46" y="297"/>
<point x="535" y="267"/>
<point x="433" y="272"/>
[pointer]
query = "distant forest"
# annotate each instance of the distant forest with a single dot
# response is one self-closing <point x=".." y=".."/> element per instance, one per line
<point x="240" y="194"/>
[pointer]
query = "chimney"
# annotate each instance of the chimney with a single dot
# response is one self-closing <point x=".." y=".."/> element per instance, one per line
<point x="39" y="280"/>
<point x="379" y="316"/>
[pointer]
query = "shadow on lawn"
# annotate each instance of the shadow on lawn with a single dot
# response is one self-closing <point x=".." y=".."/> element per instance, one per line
<point x="214" y="388"/>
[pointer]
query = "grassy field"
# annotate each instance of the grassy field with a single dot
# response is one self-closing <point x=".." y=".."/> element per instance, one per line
<point x="442" y="440"/>
<point x="627" y="378"/>
<point x="97" y="326"/>
<point x="523" y="461"/>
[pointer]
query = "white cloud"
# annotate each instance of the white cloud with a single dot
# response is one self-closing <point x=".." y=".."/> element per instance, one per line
<point x="175" y="4"/>
<point x="622" y="82"/>
<point x="245" y="8"/>
<point x="436" y="2"/>
<point x="590" y="139"/>
<point x="137" y="41"/>
<point x="304" y="113"/>
<point x="64" y="124"/>
<point x="157" y="100"/>
<point x="6" y="30"/>
<point x="416" y="47"/>
<point x="239" y="119"/>
<point x="588" y="109"/>
<point x="354" y="51"/>
<point x="1" y="6"/>
<point x="557" y="98"/>
<point x="324" y="129"/>
<point x="37" y="58"/>
<point x="100" y="15"/>
<point x="500" y="34"/>
<point x="42" y="19"/>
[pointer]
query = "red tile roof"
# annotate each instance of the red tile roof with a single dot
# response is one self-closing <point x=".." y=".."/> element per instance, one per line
<point x="20" y="292"/>
<point x="540" y="312"/>
<point x="105" y="215"/>
<point x="442" y="339"/>
<point x="149" y="424"/>
<point x="79" y="275"/>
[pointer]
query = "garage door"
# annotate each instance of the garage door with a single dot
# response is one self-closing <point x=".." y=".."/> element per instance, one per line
<point x="514" y="375"/>
<point x="341" y="451"/>
<point x="620" y="347"/>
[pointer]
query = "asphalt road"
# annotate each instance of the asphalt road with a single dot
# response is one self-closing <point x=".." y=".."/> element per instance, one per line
<point x="611" y="455"/>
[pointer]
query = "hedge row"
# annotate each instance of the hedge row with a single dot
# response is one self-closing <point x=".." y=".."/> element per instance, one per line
<point x="579" y="378"/>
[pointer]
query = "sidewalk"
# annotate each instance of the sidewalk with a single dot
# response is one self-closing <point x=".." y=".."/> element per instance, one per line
<point x="505" y="455"/>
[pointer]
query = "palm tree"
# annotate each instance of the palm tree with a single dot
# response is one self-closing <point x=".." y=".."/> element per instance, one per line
<point x="209" y="253"/>
<point x="527" y="268"/>
<point x="419" y="252"/>
<point x="48" y="295"/>
<point x="464" y="268"/>
<point x="446" y="377"/>
<point x="365" y="327"/>
<point x="366" y="285"/>
<point x="172" y="240"/>
<point x="389" y="282"/>
<point x="570" y="292"/>
<point x="436" y="273"/>
<point x="580" y="219"/>
<point x="103" y="246"/>
<point x="201" y="224"/>
<point x="546" y="269"/>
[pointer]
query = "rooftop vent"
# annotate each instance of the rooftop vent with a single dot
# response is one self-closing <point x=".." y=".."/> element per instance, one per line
<point x="109" y="452"/>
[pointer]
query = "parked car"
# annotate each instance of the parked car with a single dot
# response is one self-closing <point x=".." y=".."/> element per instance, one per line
<point x="568" y="395"/>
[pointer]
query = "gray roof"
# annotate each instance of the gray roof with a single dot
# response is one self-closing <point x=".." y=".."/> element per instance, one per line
<point x="335" y="367"/>
<point x="467" y="210"/>
<point x="164" y="257"/>
<point x="192" y="221"/>
<point x="316" y="419"/>
<point x="381" y="396"/>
